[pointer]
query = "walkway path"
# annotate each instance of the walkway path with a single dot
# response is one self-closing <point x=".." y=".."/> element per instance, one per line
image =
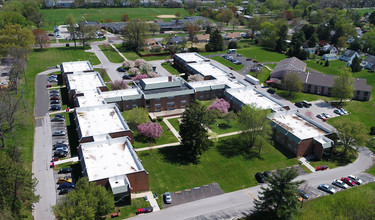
<point x="69" y="160"/>
<point x="304" y="162"/>
<point x="119" y="53"/>
<point x="172" y="129"/>
<point x="150" y="198"/>
<point x="111" y="68"/>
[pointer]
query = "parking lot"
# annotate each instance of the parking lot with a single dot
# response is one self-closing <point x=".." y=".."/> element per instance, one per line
<point x="195" y="193"/>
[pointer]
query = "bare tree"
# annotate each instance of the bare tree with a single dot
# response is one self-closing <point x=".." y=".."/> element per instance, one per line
<point x="8" y="110"/>
<point x="85" y="32"/>
<point x="19" y="66"/>
<point x="70" y="22"/>
<point x="41" y="38"/>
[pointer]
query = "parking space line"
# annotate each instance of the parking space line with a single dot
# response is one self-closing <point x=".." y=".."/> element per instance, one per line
<point x="39" y="117"/>
<point x="251" y="194"/>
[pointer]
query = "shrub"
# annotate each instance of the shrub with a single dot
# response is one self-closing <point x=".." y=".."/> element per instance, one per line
<point x="128" y="64"/>
<point x="153" y="120"/>
<point x="139" y="77"/>
<point x="193" y="49"/>
<point x="232" y="45"/>
<point x="138" y="62"/>
<point x="136" y="116"/>
<point x="195" y="78"/>
<point x="119" y="84"/>
<point x="152" y="75"/>
<point x="134" y="71"/>
<point x="220" y="105"/>
<point x="160" y="119"/>
<point x="150" y="130"/>
<point x="326" y="63"/>
<point x="156" y="49"/>
<point x="145" y="68"/>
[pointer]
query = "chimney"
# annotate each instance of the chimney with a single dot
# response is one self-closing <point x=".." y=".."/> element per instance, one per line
<point x="169" y="78"/>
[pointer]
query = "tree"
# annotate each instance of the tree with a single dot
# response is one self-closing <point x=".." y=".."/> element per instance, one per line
<point x="369" y="39"/>
<point x="11" y="17"/>
<point x="232" y="44"/>
<point x="254" y="24"/>
<point x="192" y="30"/>
<point x="225" y="16"/>
<point x="8" y="114"/>
<point x="134" y="71"/>
<point x="145" y="68"/>
<point x="139" y="62"/>
<point x="292" y="83"/>
<point x="341" y="42"/>
<point x="14" y="36"/>
<point x="269" y="34"/>
<point x="281" y="44"/>
<point x="150" y="130"/>
<point x="85" y="32"/>
<point x="326" y="63"/>
<point x="86" y="201"/>
<point x="234" y="22"/>
<point x="134" y="33"/>
<point x="371" y="18"/>
<point x="195" y="78"/>
<point x="216" y="42"/>
<point x="119" y="85"/>
<point x="278" y="199"/>
<point x="351" y="134"/>
<point x="255" y="127"/>
<point x="194" y="136"/>
<point x="19" y="66"/>
<point x="128" y="64"/>
<point x="343" y="87"/>
<point x="71" y="26"/>
<point x="125" y="18"/>
<point x="356" y="65"/>
<point x="139" y="77"/>
<point x="355" y="45"/>
<point x="41" y="38"/>
<point x="154" y="28"/>
<point x="220" y="105"/>
<point x="136" y="116"/>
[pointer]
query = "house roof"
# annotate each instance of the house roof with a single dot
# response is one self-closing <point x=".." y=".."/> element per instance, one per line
<point x="331" y="47"/>
<point x="202" y="37"/>
<point x="292" y="64"/>
<point x="150" y="41"/>
<point x="370" y="59"/>
<point x="177" y="39"/>
<point x="233" y="35"/>
<point x="348" y="53"/>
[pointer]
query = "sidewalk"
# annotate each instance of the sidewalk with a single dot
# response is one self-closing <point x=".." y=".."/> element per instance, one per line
<point x="304" y="162"/>
<point x="73" y="159"/>
<point x="171" y="128"/>
<point x="119" y="53"/>
<point x="150" y="198"/>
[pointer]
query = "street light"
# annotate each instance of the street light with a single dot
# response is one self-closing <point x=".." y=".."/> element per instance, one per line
<point x="217" y="129"/>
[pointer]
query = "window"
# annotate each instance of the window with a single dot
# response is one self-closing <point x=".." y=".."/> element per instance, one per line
<point x="134" y="106"/>
<point x="201" y="97"/>
<point x="171" y="97"/>
<point x="170" y="105"/>
<point x="183" y="97"/>
<point x="365" y="94"/>
<point x="127" y="106"/>
<point x="358" y="92"/>
<point x="183" y="103"/>
<point x="157" y="105"/>
<point x="157" y="100"/>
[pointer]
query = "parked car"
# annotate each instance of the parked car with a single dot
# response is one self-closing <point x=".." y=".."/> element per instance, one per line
<point x="62" y="148"/>
<point x="60" y="116"/>
<point x="255" y="69"/>
<point x="54" y="98"/>
<point x="145" y="210"/>
<point x="121" y="69"/>
<point x="343" y="111"/>
<point x="48" y="85"/>
<point x="65" y="170"/>
<point x="320" y="116"/>
<point x="267" y="173"/>
<point x="54" y="94"/>
<point x="239" y="55"/>
<point x="66" y="185"/>
<point x="357" y="180"/>
<point x="326" y="115"/>
<point x="322" y="168"/>
<point x="340" y="184"/>
<point x="249" y="59"/>
<point x="327" y="188"/>
<point x="60" y="154"/>
<point x="55" y="107"/>
<point x="52" y="35"/>
<point x="52" y="80"/>
<point x="64" y="180"/>
<point x="260" y="178"/>
<point x="167" y="198"/>
<point x="303" y="194"/>
<point x="54" y="102"/>
<point x="126" y="76"/>
<point x="58" y="133"/>
<point x="306" y="104"/>
<point x="348" y="181"/>
<point x="57" y="119"/>
<point x="298" y="104"/>
<point x="57" y="145"/>
<point x="337" y="111"/>
<point x="54" y="91"/>
<point x="65" y="190"/>
<point x="271" y="91"/>
<point x="231" y="68"/>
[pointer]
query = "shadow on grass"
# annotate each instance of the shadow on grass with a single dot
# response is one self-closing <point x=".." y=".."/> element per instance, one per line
<point x="287" y="153"/>
<point x="224" y="126"/>
<point x="146" y="140"/>
<point x="174" y="155"/>
<point x="339" y="158"/>
<point x="232" y="147"/>
<point x="73" y="136"/>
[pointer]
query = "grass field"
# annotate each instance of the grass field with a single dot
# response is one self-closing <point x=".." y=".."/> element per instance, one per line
<point x="263" y="74"/>
<point x="221" y="164"/>
<point x="220" y="127"/>
<point x="261" y="54"/>
<point x="131" y="55"/>
<point x="299" y="96"/>
<point x="23" y="135"/>
<point x="174" y="123"/>
<point x="170" y="68"/>
<point x="131" y="211"/>
<point x="57" y="16"/>
<point x="355" y="203"/>
<point x="227" y="63"/>
<point x="362" y="11"/>
<point x="166" y="138"/>
<point x="111" y="54"/>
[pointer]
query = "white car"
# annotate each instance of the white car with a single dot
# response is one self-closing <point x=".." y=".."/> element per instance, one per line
<point x="357" y="180"/>
<point x="343" y="111"/>
<point x="326" y="115"/>
<point x="167" y="198"/>
<point x="340" y="184"/>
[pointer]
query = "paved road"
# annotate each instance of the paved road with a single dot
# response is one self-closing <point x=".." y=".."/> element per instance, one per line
<point x="159" y="69"/>
<point x="106" y="64"/>
<point x="240" y="203"/>
<point x="42" y="150"/>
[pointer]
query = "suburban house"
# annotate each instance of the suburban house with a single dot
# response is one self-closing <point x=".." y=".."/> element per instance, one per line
<point x="114" y="163"/>
<point x="311" y="50"/>
<point x="348" y="55"/>
<point x="317" y="83"/>
<point x="232" y="36"/>
<point x="202" y="38"/>
<point x="330" y="56"/>
<point x="359" y="31"/>
<point x="331" y="49"/>
<point x="369" y="62"/>
<point x="300" y="135"/>
<point x="176" y="40"/>
<point x="150" y="42"/>
<point x="113" y="27"/>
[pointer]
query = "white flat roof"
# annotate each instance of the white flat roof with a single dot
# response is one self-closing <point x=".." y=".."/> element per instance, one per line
<point x="99" y="120"/>
<point x="298" y="126"/>
<point x="109" y="158"/>
<point x="117" y="93"/>
<point x="191" y="57"/>
<point x="75" y="66"/>
<point x="206" y="83"/>
<point x="84" y="81"/>
<point x="250" y="96"/>
<point x="90" y="98"/>
<point x="208" y="69"/>
<point x="155" y="80"/>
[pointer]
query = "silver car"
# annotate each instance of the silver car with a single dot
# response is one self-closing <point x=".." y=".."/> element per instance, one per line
<point x="167" y="198"/>
<point x="327" y="188"/>
<point x="340" y="184"/>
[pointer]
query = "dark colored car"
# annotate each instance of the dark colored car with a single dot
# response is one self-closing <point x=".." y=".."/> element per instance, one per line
<point x="145" y="210"/>
<point x="62" y="148"/>
<point x="54" y="94"/>
<point x="59" y="154"/>
<point x="54" y="98"/>
<point x="58" y="133"/>
<point x="267" y="173"/>
<point x="58" y="145"/>
<point x="126" y="76"/>
<point x="303" y="194"/>
<point x="272" y="91"/>
<point x="56" y="119"/>
<point x="55" y="108"/>
<point x="65" y="191"/>
<point x="65" y="170"/>
<point x="48" y="85"/>
<point x="260" y="178"/>
<point x="298" y="104"/>
<point x="249" y="59"/>
<point x="52" y="35"/>
<point x="66" y="185"/>
<point x="306" y="104"/>
<point x="120" y="69"/>
<point x="54" y="102"/>
<point x="59" y="116"/>
<point x="54" y="91"/>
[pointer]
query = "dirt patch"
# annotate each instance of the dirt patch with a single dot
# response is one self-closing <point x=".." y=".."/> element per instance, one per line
<point x="166" y="16"/>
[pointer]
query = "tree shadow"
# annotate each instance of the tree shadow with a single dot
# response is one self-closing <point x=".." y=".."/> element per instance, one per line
<point x="232" y="147"/>
<point x="287" y="153"/>
<point x="72" y="136"/>
<point x="143" y="139"/>
<point x="174" y="155"/>
<point x="224" y="126"/>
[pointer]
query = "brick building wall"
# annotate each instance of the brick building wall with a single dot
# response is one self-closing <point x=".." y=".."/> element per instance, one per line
<point x="139" y="181"/>
<point x="168" y="103"/>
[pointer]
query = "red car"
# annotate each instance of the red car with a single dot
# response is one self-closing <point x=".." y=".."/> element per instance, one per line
<point x="231" y="68"/>
<point x="249" y="59"/>
<point x="145" y="210"/>
<point x="322" y="168"/>
<point x="348" y="181"/>
<point x="54" y="98"/>
<point x="48" y="85"/>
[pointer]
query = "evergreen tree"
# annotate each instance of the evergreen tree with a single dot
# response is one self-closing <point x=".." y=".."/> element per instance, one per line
<point x="356" y="65"/>
<point x="194" y="136"/>
<point x="326" y="63"/>
<point x="281" y="44"/>
<point x="216" y="41"/>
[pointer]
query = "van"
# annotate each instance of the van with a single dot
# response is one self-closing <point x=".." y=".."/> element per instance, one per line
<point x="232" y="51"/>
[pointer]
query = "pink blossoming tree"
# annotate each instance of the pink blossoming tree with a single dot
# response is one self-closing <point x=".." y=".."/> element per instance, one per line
<point x="221" y="105"/>
<point x="150" y="130"/>
<point x="139" y="77"/>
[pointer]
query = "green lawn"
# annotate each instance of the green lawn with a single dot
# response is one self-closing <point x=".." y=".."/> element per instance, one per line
<point x="263" y="74"/>
<point x="166" y="138"/>
<point x="354" y="203"/>
<point x="227" y="63"/>
<point x="174" y="123"/>
<point x="261" y="54"/>
<point x="131" y="210"/>
<point x="111" y="54"/>
<point x="131" y="55"/>
<point x="170" y="68"/>
<point x="23" y="135"/>
<point x="104" y="75"/>
<point x="221" y="127"/>
<point x="57" y="16"/>
<point x="299" y="96"/>
<point x="364" y="10"/>
<point x="232" y="172"/>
